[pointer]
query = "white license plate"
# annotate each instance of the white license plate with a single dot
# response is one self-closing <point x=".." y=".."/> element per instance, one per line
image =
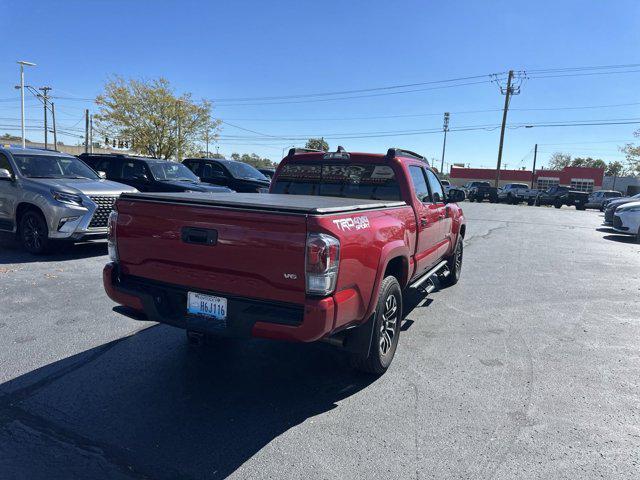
<point x="207" y="306"/>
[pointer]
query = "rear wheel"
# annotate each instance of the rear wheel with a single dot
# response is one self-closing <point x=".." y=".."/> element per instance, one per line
<point x="581" y="206"/>
<point x="530" y="202"/>
<point x="34" y="234"/>
<point x="557" y="204"/>
<point x="386" y="330"/>
<point x="454" y="264"/>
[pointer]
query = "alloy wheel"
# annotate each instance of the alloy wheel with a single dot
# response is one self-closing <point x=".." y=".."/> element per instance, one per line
<point x="389" y="324"/>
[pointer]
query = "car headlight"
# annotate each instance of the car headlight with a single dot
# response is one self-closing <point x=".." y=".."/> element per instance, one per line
<point x="64" y="197"/>
<point x="629" y="209"/>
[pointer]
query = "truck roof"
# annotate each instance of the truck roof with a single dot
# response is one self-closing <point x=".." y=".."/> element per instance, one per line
<point x="302" y="204"/>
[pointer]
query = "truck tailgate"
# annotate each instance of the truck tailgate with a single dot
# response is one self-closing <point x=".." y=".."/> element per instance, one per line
<point x="243" y="253"/>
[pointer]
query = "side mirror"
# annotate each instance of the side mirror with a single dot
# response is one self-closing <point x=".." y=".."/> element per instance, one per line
<point x="455" y="195"/>
<point x="142" y="177"/>
<point x="102" y="174"/>
<point x="5" y="174"/>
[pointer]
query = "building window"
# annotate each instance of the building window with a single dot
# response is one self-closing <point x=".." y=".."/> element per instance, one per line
<point x="547" y="182"/>
<point x="582" y="184"/>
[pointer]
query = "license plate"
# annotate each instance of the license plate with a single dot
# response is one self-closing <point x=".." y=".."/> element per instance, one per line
<point x="207" y="306"/>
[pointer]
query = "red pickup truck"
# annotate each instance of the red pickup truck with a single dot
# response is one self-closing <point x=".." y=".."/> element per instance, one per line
<point x="325" y="255"/>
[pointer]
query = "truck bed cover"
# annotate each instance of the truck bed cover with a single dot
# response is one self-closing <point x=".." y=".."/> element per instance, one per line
<point x="300" y="204"/>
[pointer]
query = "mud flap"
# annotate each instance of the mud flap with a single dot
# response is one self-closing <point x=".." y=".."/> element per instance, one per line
<point x="358" y="340"/>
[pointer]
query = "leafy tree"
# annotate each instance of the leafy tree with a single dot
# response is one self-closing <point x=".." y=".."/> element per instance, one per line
<point x="317" y="144"/>
<point x="588" y="162"/>
<point x="559" y="160"/>
<point x="254" y="160"/>
<point x="632" y="153"/>
<point x="153" y="118"/>
<point x="615" y="169"/>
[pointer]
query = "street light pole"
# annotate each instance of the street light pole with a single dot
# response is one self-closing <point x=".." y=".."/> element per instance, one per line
<point x="22" y="64"/>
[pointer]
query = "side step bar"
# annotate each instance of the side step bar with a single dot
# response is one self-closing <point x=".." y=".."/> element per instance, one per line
<point x="427" y="277"/>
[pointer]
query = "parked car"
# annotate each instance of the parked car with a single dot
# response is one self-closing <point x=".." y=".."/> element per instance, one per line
<point x="482" y="191"/>
<point x="469" y="185"/>
<point x="597" y="199"/>
<point x="558" y="196"/>
<point x="344" y="235"/>
<point x="627" y="219"/>
<point x="509" y="192"/>
<point x="149" y="174"/>
<point x="238" y="176"/>
<point x="613" y="204"/>
<point x="46" y="196"/>
<point x="267" y="172"/>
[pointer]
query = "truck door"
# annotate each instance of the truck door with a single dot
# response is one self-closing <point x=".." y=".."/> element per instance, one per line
<point x="438" y="202"/>
<point x="428" y="222"/>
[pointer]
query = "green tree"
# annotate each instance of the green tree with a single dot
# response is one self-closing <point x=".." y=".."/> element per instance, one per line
<point x="615" y="168"/>
<point x="632" y="153"/>
<point x="317" y="144"/>
<point x="588" y="162"/>
<point x="559" y="160"/>
<point x="254" y="160"/>
<point x="156" y="121"/>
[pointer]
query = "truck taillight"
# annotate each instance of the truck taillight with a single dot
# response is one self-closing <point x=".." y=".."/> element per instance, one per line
<point x="321" y="258"/>
<point x="111" y="236"/>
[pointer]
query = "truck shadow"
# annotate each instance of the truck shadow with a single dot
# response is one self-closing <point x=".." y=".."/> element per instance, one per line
<point x="152" y="407"/>
<point x="12" y="253"/>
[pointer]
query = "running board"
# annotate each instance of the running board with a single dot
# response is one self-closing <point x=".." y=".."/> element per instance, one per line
<point x="428" y="275"/>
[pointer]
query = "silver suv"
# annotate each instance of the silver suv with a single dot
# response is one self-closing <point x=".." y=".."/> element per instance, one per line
<point x="47" y="196"/>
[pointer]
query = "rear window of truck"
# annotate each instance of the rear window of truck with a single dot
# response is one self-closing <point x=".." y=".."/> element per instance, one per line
<point x="369" y="181"/>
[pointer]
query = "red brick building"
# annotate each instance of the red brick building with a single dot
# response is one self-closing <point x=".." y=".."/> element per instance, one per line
<point x="578" y="178"/>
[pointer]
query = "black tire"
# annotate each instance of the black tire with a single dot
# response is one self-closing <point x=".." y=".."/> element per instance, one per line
<point x="454" y="263"/>
<point x="581" y="206"/>
<point x="530" y="202"/>
<point x="386" y="330"/>
<point x="557" y="204"/>
<point x="34" y="233"/>
<point x="510" y="199"/>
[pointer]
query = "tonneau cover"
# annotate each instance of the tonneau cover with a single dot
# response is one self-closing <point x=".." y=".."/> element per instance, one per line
<point x="303" y="204"/>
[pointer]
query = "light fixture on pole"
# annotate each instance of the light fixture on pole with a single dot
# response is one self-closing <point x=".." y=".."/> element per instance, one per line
<point x="22" y="64"/>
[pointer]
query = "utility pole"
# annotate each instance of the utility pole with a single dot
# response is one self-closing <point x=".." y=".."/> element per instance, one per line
<point x="445" y="128"/>
<point x="86" y="131"/>
<point x="55" y="131"/>
<point x="533" y="171"/>
<point x="45" y="91"/>
<point x="90" y="133"/>
<point x="507" y="95"/>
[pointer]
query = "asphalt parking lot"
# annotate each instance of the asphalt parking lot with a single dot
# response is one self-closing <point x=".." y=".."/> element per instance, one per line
<point x="528" y="368"/>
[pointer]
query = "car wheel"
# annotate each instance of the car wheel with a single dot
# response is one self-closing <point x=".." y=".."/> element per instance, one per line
<point x="510" y="199"/>
<point x="34" y="234"/>
<point x="581" y="207"/>
<point x="557" y="204"/>
<point x="454" y="263"/>
<point x="386" y="330"/>
<point x="530" y="202"/>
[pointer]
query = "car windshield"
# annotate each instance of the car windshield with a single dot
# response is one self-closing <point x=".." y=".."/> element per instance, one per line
<point x="171" y="171"/>
<point x="53" y="166"/>
<point x="376" y="182"/>
<point x="244" y="171"/>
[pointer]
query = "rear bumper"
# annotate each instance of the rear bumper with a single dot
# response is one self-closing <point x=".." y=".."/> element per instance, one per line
<point x="166" y="303"/>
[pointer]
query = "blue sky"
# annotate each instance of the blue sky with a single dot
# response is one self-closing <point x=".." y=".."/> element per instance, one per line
<point x="222" y="50"/>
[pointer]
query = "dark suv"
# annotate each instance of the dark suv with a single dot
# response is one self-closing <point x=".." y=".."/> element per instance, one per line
<point x="238" y="176"/>
<point x="148" y="174"/>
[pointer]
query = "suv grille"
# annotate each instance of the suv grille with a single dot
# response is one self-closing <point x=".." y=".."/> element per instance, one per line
<point x="101" y="216"/>
<point x="617" y="222"/>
